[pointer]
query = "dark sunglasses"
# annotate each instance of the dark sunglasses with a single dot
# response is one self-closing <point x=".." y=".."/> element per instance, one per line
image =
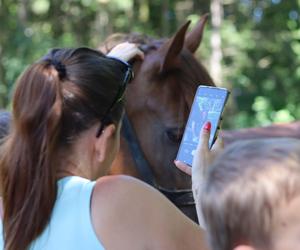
<point x="119" y="96"/>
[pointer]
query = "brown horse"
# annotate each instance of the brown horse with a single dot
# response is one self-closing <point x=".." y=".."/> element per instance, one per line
<point x="276" y="130"/>
<point x="157" y="105"/>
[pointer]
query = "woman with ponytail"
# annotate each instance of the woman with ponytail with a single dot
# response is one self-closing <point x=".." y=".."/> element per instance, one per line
<point x="64" y="136"/>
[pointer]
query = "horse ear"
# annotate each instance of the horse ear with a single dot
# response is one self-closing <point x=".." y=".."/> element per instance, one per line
<point x="194" y="37"/>
<point x="171" y="49"/>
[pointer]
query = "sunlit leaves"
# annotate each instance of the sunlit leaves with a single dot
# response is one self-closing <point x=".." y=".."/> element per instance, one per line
<point x="260" y="44"/>
<point x="40" y="6"/>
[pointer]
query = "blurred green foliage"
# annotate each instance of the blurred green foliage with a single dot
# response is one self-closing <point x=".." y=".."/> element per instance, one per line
<point x="262" y="60"/>
<point x="260" y="44"/>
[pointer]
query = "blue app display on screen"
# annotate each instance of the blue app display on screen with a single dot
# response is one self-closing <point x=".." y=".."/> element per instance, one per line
<point x="207" y="106"/>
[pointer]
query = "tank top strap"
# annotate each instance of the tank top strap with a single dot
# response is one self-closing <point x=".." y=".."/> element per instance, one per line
<point x="83" y="188"/>
<point x="70" y="226"/>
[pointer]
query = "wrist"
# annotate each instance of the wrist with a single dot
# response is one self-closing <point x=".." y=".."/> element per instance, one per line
<point x="197" y="192"/>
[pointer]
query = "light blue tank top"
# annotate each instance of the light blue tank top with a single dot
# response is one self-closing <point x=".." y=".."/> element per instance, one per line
<point x="70" y="227"/>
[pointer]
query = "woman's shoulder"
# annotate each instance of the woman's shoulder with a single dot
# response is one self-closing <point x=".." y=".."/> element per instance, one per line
<point x="123" y="190"/>
<point x="120" y="183"/>
<point x="139" y="214"/>
<point x="119" y="205"/>
<point x="117" y="180"/>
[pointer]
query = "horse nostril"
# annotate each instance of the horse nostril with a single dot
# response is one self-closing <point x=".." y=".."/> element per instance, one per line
<point x="174" y="134"/>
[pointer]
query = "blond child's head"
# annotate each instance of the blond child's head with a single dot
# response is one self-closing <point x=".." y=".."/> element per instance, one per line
<point x="251" y="199"/>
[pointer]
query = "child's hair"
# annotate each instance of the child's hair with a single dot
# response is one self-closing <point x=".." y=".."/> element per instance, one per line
<point x="246" y="186"/>
<point x="56" y="99"/>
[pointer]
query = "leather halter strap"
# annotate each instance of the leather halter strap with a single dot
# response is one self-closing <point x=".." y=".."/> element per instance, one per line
<point x="180" y="197"/>
<point x="141" y="163"/>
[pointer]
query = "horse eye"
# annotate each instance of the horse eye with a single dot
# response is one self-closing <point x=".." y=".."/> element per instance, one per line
<point x="174" y="134"/>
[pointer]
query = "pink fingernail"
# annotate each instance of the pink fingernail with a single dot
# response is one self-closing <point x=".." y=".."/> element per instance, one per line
<point x="207" y="126"/>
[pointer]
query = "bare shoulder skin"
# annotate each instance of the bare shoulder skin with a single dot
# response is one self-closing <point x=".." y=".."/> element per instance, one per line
<point x="129" y="214"/>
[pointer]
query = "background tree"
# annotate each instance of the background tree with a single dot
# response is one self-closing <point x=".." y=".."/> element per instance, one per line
<point x="258" y="48"/>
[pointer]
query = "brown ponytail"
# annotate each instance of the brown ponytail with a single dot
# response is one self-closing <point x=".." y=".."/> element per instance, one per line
<point x="28" y="166"/>
<point x="55" y="100"/>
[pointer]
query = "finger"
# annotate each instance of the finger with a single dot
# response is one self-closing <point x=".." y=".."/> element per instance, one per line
<point x="183" y="167"/>
<point x="203" y="144"/>
<point x="219" y="144"/>
<point x="217" y="148"/>
<point x="133" y="52"/>
<point x="125" y="51"/>
<point x="136" y="53"/>
<point x="202" y="156"/>
<point x="140" y="54"/>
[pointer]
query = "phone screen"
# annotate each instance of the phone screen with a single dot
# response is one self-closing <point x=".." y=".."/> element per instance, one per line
<point x="208" y="105"/>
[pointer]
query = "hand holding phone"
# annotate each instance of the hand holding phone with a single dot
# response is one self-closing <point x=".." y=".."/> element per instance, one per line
<point x="208" y="105"/>
<point x="201" y="162"/>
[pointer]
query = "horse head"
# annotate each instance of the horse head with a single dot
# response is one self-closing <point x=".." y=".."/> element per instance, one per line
<point x="159" y="99"/>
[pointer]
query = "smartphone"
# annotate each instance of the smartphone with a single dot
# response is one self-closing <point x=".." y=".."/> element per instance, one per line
<point x="208" y="105"/>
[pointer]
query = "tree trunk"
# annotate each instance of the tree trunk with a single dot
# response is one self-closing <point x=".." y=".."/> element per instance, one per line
<point x="23" y="12"/>
<point x="136" y="5"/>
<point x="216" y="9"/>
<point x="165" y="20"/>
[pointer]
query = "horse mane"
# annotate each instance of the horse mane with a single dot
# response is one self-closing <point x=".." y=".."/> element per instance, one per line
<point x="189" y="66"/>
<point x="116" y="38"/>
<point x="194" y="73"/>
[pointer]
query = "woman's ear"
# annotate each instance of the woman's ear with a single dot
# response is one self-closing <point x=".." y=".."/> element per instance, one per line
<point x="244" y="247"/>
<point x="104" y="142"/>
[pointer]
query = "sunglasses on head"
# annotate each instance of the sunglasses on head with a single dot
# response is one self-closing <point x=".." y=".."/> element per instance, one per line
<point x="119" y="96"/>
